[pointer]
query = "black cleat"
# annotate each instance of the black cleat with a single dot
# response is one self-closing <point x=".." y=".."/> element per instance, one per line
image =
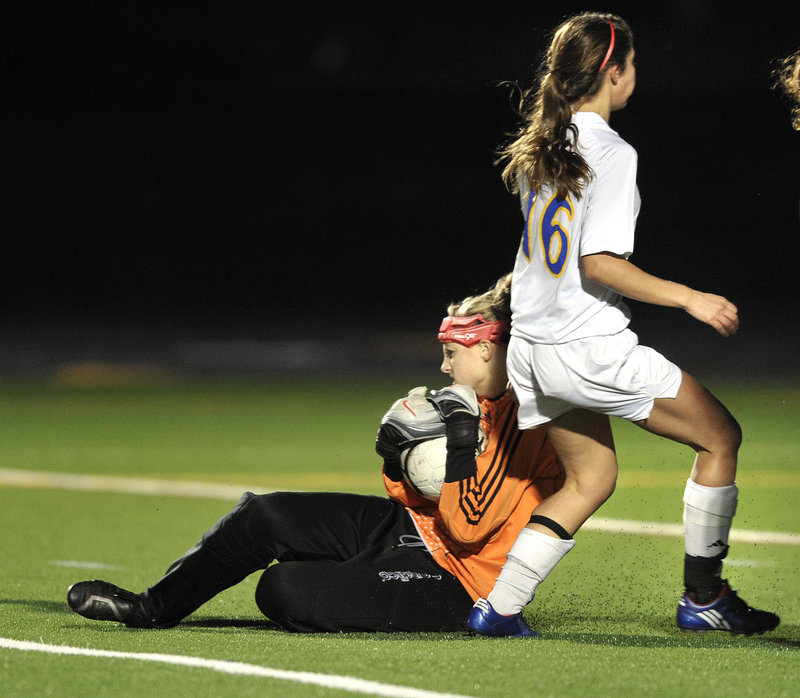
<point x="99" y="600"/>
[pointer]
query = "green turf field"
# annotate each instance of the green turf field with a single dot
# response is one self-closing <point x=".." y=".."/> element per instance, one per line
<point x="606" y="613"/>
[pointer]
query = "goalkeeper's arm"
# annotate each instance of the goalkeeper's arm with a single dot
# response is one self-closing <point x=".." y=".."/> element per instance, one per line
<point x="461" y="412"/>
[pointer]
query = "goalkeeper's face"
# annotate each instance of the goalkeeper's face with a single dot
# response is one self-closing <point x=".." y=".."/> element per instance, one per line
<point x="480" y="366"/>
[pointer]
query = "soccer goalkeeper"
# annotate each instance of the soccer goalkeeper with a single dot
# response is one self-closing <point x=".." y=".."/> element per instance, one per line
<point x="353" y="563"/>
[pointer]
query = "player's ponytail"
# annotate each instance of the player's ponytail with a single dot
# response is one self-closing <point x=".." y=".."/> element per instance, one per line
<point x="542" y="152"/>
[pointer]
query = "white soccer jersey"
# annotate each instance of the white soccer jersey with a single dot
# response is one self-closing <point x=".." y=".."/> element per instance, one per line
<point x="551" y="299"/>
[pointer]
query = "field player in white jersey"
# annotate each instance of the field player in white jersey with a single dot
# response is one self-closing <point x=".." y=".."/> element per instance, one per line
<point x="572" y="360"/>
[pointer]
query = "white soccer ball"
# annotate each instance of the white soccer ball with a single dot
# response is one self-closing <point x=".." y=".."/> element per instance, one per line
<point x="423" y="466"/>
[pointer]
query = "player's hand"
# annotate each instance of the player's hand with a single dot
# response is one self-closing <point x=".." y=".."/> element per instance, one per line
<point x="454" y="401"/>
<point x="459" y="407"/>
<point x="716" y="311"/>
<point x="410" y="419"/>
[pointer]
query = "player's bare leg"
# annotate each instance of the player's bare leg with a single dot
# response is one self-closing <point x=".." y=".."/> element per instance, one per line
<point x="585" y="445"/>
<point x="696" y="418"/>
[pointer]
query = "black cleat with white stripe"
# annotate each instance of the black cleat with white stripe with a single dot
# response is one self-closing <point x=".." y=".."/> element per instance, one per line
<point x="99" y="600"/>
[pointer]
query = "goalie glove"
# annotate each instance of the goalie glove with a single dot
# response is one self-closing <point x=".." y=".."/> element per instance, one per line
<point x="459" y="407"/>
<point x="455" y="400"/>
<point x="409" y="421"/>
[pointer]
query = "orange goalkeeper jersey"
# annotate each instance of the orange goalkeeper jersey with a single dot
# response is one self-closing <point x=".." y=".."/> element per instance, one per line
<point x="472" y="527"/>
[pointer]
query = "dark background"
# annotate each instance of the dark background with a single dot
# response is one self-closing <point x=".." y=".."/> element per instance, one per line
<point x="271" y="170"/>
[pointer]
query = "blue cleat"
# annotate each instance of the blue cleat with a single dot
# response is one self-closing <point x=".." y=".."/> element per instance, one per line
<point x="484" y="620"/>
<point x="727" y="613"/>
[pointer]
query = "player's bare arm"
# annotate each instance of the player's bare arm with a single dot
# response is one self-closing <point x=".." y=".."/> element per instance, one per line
<point x="626" y="278"/>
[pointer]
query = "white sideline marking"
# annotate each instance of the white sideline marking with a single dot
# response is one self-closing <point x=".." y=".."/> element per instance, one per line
<point x="210" y="490"/>
<point x="651" y="528"/>
<point x="127" y="485"/>
<point x="84" y="565"/>
<point x="748" y="563"/>
<point x="343" y="683"/>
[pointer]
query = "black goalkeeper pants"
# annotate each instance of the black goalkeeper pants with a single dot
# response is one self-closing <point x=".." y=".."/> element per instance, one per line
<point x="345" y="563"/>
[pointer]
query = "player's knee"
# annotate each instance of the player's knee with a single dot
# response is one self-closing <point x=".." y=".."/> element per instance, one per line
<point x="720" y="432"/>
<point x="596" y="484"/>
<point x="256" y="516"/>
<point x="246" y="533"/>
<point x="270" y="593"/>
<point x="734" y="435"/>
<point x="602" y="488"/>
<point x="725" y="438"/>
<point x="280" y="599"/>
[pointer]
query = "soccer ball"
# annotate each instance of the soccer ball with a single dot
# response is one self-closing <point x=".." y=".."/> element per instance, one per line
<point x="423" y="466"/>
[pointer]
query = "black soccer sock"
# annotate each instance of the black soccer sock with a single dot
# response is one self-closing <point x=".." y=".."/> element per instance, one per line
<point x="702" y="577"/>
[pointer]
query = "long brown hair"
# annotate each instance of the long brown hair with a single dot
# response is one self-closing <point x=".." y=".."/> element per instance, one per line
<point x="787" y="77"/>
<point x="542" y="149"/>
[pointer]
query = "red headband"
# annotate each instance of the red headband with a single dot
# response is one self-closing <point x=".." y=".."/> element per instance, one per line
<point x="472" y="329"/>
<point x="610" y="48"/>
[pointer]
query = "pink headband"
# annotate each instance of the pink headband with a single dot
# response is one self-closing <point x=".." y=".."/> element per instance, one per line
<point x="610" y="48"/>
<point x="472" y="329"/>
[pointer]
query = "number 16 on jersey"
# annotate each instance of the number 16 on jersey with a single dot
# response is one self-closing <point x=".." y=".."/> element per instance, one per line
<point x="550" y="231"/>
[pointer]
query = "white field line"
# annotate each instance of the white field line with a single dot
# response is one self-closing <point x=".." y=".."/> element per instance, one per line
<point x="209" y="490"/>
<point x="343" y="683"/>
<point x="652" y="528"/>
<point x="83" y="565"/>
<point x="125" y="485"/>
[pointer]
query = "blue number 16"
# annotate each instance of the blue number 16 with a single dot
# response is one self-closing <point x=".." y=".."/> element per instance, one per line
<point x="554" y="238"/>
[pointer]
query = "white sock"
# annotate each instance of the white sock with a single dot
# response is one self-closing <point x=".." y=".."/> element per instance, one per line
<point x="532" y="557"/>
<point x="707" y="516"/>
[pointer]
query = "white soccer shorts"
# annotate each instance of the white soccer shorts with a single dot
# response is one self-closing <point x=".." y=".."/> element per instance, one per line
<point x="610" y="374"/>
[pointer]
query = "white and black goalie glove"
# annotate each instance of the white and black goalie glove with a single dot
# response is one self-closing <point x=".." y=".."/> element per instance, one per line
<point x="454" y="401"/>
<point x="410" y="420"/>
<point x="461" y="412"/>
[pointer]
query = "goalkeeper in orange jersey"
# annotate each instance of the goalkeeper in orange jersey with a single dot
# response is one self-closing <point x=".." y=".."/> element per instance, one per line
<point x="354" y="563"/>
